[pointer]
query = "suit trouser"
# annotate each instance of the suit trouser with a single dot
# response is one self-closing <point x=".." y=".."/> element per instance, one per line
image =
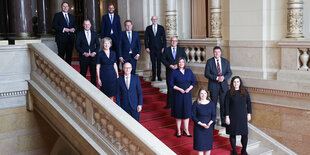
<point x="156" y="62"/>
<point x="132" y="113"/>
<point x="215" y="94"/>
<point x="170" y="89"/>
<point x="91" y="62"/>
<point x="65" y="48"/>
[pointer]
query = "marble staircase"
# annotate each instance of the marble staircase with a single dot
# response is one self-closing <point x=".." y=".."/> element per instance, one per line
<point x="255" y="147"/>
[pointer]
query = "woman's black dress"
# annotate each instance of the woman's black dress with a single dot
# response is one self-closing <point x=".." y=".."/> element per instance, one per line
<point x="237" y="107"/>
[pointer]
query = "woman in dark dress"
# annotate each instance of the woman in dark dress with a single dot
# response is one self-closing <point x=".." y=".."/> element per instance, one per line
<point x="238" y="112"/>
<point x="203" y="114"/>
<point x="182" y="81"/>
<point x="107" y="72"/>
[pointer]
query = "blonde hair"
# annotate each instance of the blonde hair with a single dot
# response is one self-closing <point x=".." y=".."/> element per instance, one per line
<point x="105" y="39"/>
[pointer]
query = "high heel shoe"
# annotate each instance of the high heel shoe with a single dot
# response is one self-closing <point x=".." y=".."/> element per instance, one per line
<point x="179" y="136"/>
<point x="184" y="133"/>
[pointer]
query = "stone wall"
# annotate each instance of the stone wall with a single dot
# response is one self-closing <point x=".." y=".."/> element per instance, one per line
<point x="289" y="126"/>
<point x="24" y="132"/>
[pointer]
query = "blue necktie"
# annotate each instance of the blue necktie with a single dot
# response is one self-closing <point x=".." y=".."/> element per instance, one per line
<point x="129" y="38"/>
<point x="111" y="18"/>
<point x="67" y="20"/>
<point x="173" y="53"/>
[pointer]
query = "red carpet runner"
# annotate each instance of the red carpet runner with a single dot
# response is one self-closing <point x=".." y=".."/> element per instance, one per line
<point x="158" y="121"/>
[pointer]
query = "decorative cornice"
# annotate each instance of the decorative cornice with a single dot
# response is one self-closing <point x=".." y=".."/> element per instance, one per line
<point x="13" y="93"/>
<point x="278" y="92"/>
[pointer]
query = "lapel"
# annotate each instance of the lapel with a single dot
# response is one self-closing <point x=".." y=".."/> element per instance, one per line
<point x="170" y="52"/>
<point x="222" y="64"/>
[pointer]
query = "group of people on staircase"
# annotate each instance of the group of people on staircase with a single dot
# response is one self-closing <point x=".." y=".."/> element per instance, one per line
<point x="125" y="47"/>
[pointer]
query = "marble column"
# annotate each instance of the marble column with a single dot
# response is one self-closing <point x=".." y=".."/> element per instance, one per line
<point x="43" y="17"/>
<point x="92" y="12"/>
<point x="20" y="18"/>
<point x="171" y="18"/>
<point x="3" y="19"/>
<point x="216" y="19"/>
<point x="295" y="19"/>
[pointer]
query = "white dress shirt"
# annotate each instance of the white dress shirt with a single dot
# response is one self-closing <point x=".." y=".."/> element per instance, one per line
<point x="112" y="20"/>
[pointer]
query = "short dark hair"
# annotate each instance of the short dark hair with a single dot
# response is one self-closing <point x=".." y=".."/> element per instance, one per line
<point x="86" y="20"/>
<point x="217" y="47"/>
<point x="111" y="4"/>
<point x="64" y="3"/>
<point x="128" y="20"/>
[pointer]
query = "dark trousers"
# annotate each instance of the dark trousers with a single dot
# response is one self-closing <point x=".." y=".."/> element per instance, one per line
<point x="91" y="63"/>
<point x="244" y="142"/>
<point x="65" y="48"/>
<point x="170" y="96"/>
<point x="133" y="113"/>
<point x="156" y="62"/>
<point x="215" y="94"/>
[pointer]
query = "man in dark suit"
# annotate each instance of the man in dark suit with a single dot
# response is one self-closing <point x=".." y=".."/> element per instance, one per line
<point x="111" y="27"/>
<point x="218" y="71"/>
<point x="88" y="45"/>
<point x="65" y="27"/>
<point x="155" y="43"/>
<point x="129" y="48"/>
<point x="169" y="59"/>
<point x="129" y="92"/>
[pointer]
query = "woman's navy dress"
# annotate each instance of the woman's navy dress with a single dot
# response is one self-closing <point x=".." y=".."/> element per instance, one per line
<point x="181" y="107"/>
<point x="107" y="73"/>
<point x="237" y="107"/>
<point x="203" y="138"/>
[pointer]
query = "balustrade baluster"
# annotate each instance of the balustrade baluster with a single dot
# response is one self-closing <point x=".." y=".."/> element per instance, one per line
<point x="198" y="53"/>
<point x="304" y="58"/>
<point x="193" y="55"/>
<point x="187" y="52"/>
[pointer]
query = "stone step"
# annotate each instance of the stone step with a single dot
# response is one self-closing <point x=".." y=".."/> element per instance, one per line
<point x="260" y="151"/>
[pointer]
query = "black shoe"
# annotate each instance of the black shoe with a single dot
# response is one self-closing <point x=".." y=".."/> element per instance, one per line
<point x="153" y="79"/>
<point x="167" y="107"/>
<point x="184" y="133"/>
<point x="234" y="152"/>
<point x="160" y="79"/>
<point x="243" y="152"/>
<point x="179" y="136"/>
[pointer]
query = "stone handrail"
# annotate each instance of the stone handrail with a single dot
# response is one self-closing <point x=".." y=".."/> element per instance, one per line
<point x="196" y="49"/>
<point x="114" y="128"/>
<point x="297" y="52"/>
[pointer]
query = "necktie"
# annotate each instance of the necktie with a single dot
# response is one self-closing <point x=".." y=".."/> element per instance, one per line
<point x="67" y="20"/>
<point x="173" y="53"/>
<point x="154" y="30"/>
<point x="127" y="82"/>
<point x="88" y="37"/>
<point x="218" y="68"/>
<point x="111" y="18"/>
<point x="129" y="38"/>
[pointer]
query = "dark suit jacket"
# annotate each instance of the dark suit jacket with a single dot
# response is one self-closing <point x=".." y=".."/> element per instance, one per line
<point x="129" y="99"/>
<point x="59" y="23"/>
<point x="82" y="44"/>
<point x="106" y="26"/>
<point x="167" y="57"/>
<point x="155" y="42"/>
<point x="124" y="45"/>
<point x="211" y="74"/>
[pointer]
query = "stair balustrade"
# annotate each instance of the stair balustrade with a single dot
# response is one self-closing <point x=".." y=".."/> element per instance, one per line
<point x="98" y="120"/>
